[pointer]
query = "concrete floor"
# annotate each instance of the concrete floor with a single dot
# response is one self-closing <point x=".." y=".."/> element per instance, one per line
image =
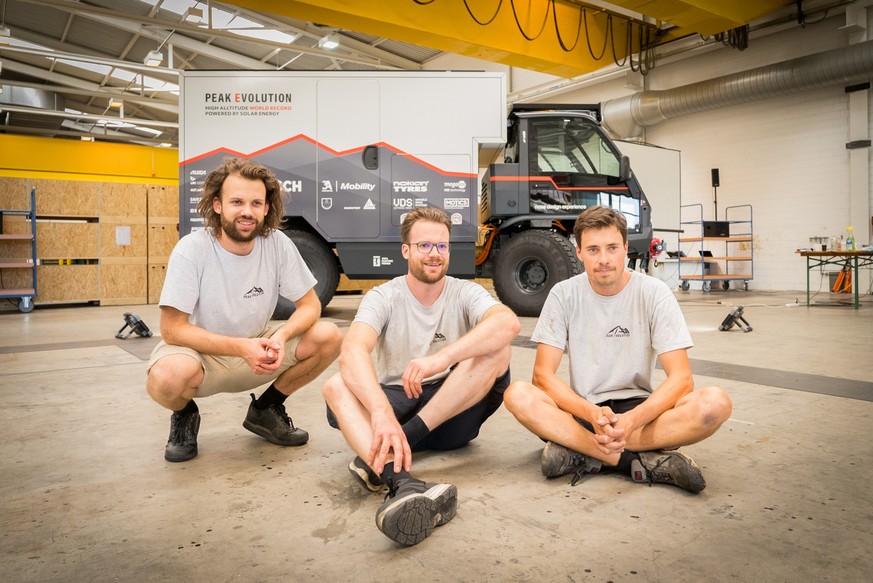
<point x="87" y="496"/>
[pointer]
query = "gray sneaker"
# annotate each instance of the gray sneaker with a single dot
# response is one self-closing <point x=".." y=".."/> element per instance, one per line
<point x="364" y="475"/>
<point x="274" y="425"/>
<point x="412" y="509"/>
<point x="182" y="444"/>
<point x="558" y="461"/>
<point x="668" y="467"/>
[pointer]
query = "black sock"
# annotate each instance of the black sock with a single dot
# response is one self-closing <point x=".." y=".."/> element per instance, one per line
<point x="389" y="473"/>
<point x="415" y="430"/>
<point x="624" y="462"/>
<point x="272" y="396"/>
<point x="190" y="407"/>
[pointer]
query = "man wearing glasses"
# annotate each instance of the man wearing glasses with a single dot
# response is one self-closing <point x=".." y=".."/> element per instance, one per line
<point x="424" y="364"/>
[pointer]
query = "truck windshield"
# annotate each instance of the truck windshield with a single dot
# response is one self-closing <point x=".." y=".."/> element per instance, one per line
<point x="570" y="145"/>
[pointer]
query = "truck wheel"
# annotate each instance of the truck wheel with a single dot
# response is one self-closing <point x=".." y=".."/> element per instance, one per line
<point x="321" y="261"/>
<point x="529" y="265"/>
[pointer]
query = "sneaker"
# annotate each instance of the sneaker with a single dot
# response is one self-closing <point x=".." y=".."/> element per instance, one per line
<point x="558" y="461"/>
<point x="364" y="475"/>
<point x="412" y="509"/>
<point x="182" y="444"/>
<point x="668" y="467"/>
<point x="274" y="425"/>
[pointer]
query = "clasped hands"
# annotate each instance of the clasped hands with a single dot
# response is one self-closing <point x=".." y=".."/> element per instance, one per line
<point x="263" y="355"/>
<point x="611" y="430"/>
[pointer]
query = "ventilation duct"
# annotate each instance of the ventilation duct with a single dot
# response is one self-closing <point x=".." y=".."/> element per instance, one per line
<point x="38" y="100"/>
<point x="627" y="116"/>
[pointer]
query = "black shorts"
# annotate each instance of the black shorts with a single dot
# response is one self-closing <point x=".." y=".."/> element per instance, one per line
<point x="452" y="433"/>
<point x="617" y="406"/>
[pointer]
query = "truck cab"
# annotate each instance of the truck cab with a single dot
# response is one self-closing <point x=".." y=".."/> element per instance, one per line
<point x="557" y="162"/>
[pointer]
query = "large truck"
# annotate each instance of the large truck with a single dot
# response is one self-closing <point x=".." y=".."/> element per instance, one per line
<point x="356" y="151"/>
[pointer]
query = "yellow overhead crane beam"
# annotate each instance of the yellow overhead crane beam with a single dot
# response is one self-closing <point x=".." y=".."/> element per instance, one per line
<point x="706" y="17"/>
<point x="448" y="25"/>
<point x="565" y="38"/>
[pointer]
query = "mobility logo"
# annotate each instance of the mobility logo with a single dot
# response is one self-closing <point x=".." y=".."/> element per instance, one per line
<point x="253" y="293"/>
<point x="618" y="332"/>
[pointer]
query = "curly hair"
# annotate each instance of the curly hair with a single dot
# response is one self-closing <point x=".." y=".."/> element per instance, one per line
<point x="599" y="217"/>
<point x="250" y="170"/>
<point x="430" y="214"/>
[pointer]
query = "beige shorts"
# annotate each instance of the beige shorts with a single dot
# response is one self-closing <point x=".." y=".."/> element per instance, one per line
<point x="228" y="374"/>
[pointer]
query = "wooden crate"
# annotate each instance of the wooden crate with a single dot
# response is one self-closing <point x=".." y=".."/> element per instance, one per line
<point x="162" y="238"/>
<point x="123" y="281"/>
<point x="163" y="202"/>
<point x="123" y="200"/>
<point x="157" y="274"/>
<point x="14" y="194"/>
<point x="67" y="198"/>
<point x="67" y="283"/>
<point x="111" y="230"/>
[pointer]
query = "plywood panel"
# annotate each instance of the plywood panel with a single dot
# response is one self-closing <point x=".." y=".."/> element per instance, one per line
<point x="67" y="198"/>
<point x="112" y="234"/>
<point x="15" y="194"/>
<point x="123" y="200"/>
<point x="63" y="239"/>
<point x="67" y="283"/>
<point x="357" y="285"/>
<point x="157" y="275"/>
<point x="162" y="239"/>
<point x="123" y="281"/>
<point x="163" y="202"/>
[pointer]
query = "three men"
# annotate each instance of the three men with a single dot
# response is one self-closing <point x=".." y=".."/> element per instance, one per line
<point x="423" y="365"/>
<point x="221" y="288"/>
<point x="615" y="323"/>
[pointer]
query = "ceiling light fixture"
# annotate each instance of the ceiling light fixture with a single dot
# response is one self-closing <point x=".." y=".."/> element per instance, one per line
<point x="114" y="103"/>
<point x="5" y="35"/>
<point x="329" y="42"/>
<point x="193" y="15"/>
<point x="154" y="59"/>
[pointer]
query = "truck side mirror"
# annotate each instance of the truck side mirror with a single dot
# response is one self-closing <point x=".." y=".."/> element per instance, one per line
<point x="624" y="169"/>
<point x="370" y="157"/>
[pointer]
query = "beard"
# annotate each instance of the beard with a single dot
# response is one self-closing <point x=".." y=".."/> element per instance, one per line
<point x="420" y="272"/>
<point x="229" y="228"/>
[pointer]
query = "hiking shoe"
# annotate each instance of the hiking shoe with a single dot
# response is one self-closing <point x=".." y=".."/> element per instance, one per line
<point x="274" y="425"/>
<point x="182" y="444"/>
<point x="668" y="467"/>
<point x="559" y="461"/>
<point x="365" y="476"/>
<point x="413" y="508"/>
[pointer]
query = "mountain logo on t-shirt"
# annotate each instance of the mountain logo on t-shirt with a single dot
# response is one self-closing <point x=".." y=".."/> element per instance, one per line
<point x="254" y="292"/>
<point x="438" y="338"/>
<point x="618" y="332"/>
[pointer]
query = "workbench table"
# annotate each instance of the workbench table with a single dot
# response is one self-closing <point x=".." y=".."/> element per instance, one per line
<point x="856" y="259"/>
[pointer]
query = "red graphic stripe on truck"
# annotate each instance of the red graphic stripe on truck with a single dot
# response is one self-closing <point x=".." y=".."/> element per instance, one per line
<point x="550" y="179"/>
<point x="337" y="153"/>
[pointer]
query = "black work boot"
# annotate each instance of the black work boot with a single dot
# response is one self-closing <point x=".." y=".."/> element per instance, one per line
<point x="274" y="425"/>
<point x="182" y="444"/>
<point x="413" y="508"/>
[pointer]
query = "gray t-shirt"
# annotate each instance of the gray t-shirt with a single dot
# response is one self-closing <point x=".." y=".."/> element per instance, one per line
<point x="613" y="341"/>
<point x="410" y="330"/>
<point x="231" y="294"/>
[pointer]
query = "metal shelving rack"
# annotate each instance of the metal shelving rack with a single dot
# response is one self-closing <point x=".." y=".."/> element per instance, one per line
<point x="26" y="294"/>
<point x="738" y="248"/>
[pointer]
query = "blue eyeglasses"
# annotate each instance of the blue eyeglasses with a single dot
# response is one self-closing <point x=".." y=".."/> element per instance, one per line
<point x="426" y="246"/>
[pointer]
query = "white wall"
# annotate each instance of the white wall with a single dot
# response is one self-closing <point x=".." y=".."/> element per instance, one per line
<point x="785" y="156"/>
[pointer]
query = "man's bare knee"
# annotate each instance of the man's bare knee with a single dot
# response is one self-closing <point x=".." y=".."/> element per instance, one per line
<point x="715" y="406"/>
<point x="518" y="397"/>
<point x="322" y="339"/>
<point x="332" y="389"/>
